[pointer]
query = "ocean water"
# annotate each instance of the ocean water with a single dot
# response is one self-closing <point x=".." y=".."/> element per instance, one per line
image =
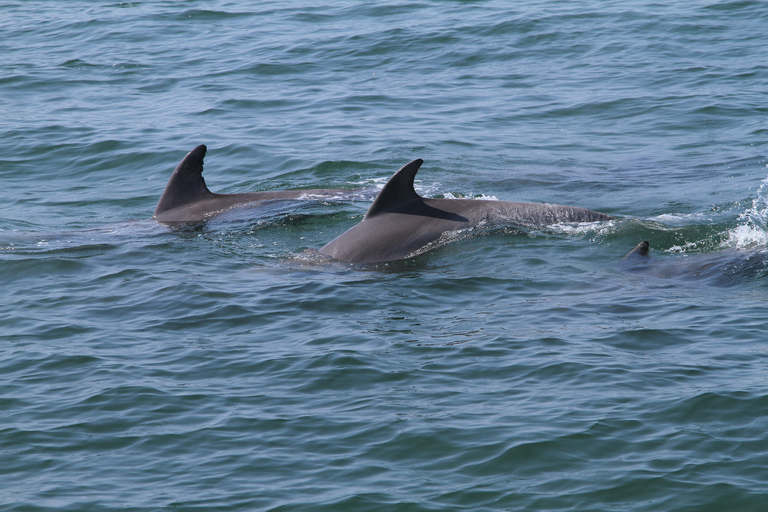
<point x="225" y="368"/>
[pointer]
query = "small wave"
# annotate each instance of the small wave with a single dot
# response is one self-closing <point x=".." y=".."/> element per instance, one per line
<point x="582" y="228"/>
<point x="449" y="195"/>
<point x="679" y="219"/>
<point x="375" y="182"/>
<point x="751" y="231"/>
<point x="696" y="246"/>
<point x="746" y="236"/>
<point x="351" y="195"/>
<point x="449" y="237"/>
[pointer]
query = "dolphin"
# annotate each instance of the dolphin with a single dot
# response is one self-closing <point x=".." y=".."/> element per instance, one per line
<point x="400" y="223"/>
<point x="638" y="255"/>
<point x="186" y="198"/>
<point x="725" y="267"/>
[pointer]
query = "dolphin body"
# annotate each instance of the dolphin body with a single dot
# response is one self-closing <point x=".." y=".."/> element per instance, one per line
<point x="400" y="223"/>
<point x="726" y="267"/>
<point x="187" y="200"/>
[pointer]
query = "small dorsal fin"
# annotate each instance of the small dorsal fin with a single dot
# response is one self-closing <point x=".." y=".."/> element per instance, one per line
<point x="186" y="184"/>
<point x="642" y="250"/>
<point x="398" y="190"/>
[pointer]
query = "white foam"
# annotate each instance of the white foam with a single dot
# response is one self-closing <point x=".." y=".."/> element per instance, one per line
<point x="746" y="236"/>
<point x="679" y="219"/>
<point x="581" y="228"/>
<point x="751" y="230"/>
<point x="482" y="197"/>
<point x="690" y="246"/>
<point x="376" y="182"/>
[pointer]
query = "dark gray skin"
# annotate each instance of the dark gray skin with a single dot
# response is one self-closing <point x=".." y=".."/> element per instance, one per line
<point x="187" y="200"/>
<point x="400" y="223"/>
<point x="725" y="267"/>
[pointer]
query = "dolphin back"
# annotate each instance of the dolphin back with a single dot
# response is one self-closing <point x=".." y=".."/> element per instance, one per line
<point x="400" y="223"/>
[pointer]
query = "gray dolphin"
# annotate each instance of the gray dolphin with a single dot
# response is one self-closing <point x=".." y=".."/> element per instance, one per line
<point x="725" y="267"/>
<point x="400" y="223"/>
<point x="186" y="199"/>
<point x="639" y="254"/>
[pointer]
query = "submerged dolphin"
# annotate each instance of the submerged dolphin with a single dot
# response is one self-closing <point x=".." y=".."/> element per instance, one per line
<point x="186" y="199"/>
<point x="726" y="267"/>
<point x="400" y="223"/>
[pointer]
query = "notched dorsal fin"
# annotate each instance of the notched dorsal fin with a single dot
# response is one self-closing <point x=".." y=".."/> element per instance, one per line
<point x="398" y="190"/>
<point x="186" y="184"/>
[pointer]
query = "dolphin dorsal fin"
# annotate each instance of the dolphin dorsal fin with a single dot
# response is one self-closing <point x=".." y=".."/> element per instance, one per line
<point x="186" y="184"/>
<point x="642" y="250"/>
<point x="398" y="190"/>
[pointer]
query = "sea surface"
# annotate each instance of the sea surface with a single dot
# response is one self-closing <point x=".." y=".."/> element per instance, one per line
<point x="226" y="368"/>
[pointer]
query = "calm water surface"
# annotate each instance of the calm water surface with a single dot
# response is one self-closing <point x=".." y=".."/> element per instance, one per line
<point x="226" y="368"/>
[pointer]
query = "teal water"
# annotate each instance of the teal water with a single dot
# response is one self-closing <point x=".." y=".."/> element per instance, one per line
<point x="224" y="368"/>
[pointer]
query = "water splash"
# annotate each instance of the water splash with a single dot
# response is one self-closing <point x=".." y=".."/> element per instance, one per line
<point x="450" y="195"/>
<point x="751" y="231"/>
